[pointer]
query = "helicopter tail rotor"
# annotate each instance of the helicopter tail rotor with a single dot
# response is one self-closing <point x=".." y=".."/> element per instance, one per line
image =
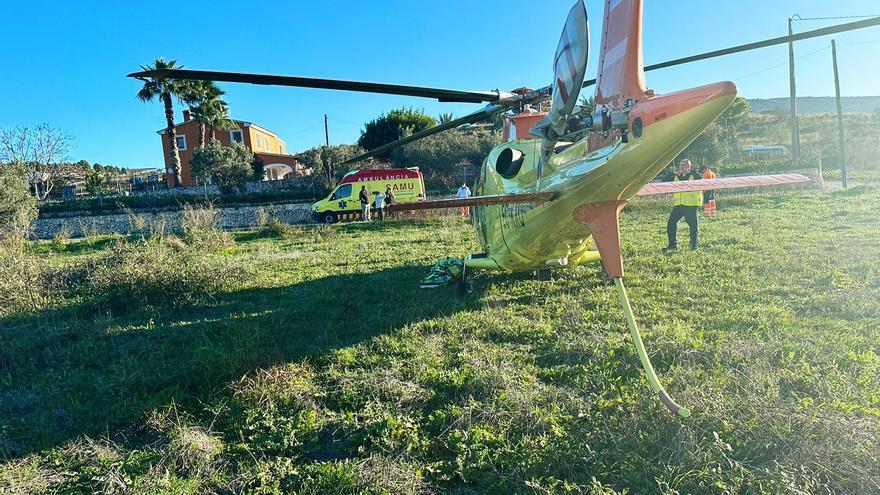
<point x="569" y="69"/>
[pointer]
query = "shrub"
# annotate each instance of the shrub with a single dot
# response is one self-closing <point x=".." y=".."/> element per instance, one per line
<point x="17" y="207"/>
<point x="27" y="282"/>
<point x="199" y="226"/>
<point x="227" y="166"/>
<point x="21" y="278"/>
<point x="278" y="228"/>
<point x="261" y="219"/>
<point x="155" y="272"/>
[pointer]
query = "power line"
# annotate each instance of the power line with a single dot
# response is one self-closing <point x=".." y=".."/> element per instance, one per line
<point x="869" y="42"/>
<point x="320" y="122"/>
<point x="768" y="69"/>
<point x="344" y="121"/>
<point x="797" y="17"/>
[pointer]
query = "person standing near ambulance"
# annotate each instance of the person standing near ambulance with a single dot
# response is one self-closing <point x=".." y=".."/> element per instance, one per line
<point x="686" y="205"/>
<point x="389" y="196"/>
<point x="365" y="204"/>
<point x="464" y="192"/>
<point x="380" y="204"/>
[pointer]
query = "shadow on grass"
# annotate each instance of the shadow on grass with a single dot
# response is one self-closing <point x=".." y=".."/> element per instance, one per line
<point x="64" y="373"/>
<point x="76" y="247"/>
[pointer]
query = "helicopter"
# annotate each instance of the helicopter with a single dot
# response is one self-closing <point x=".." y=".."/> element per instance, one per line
<point x="549" y="197"/>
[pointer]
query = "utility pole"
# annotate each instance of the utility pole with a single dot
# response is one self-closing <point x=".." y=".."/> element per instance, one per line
<point x="795" y="135"/>
<point x="326" y="131"/>
<point x="839" y="113"/>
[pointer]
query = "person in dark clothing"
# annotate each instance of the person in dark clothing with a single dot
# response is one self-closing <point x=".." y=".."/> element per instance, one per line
<point x="364" y="197"/>
<point x="686" y="205"/>
<point x="390" y="199"/>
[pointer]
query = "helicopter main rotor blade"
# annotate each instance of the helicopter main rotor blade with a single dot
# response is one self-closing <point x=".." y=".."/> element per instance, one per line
<point x="477" y="116"/>
<point x="816" y="33"/>
<point x="441" y="94"/>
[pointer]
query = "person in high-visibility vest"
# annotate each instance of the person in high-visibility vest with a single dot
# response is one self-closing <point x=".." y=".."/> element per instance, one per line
<point x="686" y="205"/>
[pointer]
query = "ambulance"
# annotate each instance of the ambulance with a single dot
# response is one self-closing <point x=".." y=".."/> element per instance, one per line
<point x="343" y="203"/>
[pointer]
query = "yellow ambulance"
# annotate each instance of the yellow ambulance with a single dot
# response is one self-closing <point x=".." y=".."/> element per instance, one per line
<point x="343" y="203"/>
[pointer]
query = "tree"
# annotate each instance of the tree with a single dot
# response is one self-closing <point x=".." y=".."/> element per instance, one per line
<point x="588" y="103"/>
<point x="41" y="149"/>
<point x="258" y="168"/>
<point x="18" y="208"/>
<point x="208" y="108"/>
<point x="440" y="156"/>
<point x="393" y="126"/>
<point x="708" y="149"/>
<point x="444" y="118"/>
<point x="164" y="89"/>
<point x="736" y="113"/>
<point x="96" y="180"/>
<point x="227" y="166"/>
<point x="327" y="160"/>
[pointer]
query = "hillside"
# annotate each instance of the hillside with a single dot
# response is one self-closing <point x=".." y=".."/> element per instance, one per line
<point x="817" y="104"/>
<point x="315" y="365"/>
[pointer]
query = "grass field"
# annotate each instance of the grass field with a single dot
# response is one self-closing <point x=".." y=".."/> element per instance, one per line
<point x="310" y="362"/>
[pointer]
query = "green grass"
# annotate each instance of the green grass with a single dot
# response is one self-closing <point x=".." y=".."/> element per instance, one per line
<point x="326" y="370"/>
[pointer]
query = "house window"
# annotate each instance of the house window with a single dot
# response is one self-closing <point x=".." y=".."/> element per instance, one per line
<point x="236" y="136"/>
<point x="181" y="142"/>
<point x="266" y="143"/>
<point x="280" y="149"/>
<point x="257" y="141"/>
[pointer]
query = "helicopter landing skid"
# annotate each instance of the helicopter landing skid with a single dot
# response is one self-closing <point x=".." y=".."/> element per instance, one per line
<point x="603" y="219"/>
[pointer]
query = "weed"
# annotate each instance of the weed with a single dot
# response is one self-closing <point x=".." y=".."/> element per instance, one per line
<point x="156" y="272"/>
<point x="199" y="225"/>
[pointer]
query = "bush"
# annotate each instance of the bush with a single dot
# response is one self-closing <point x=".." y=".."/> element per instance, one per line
<point x="200" y="228"/>
<point x="155" y="272"/>
<point x="18" y="208"/>
<point x="227" y="166"/>
<point x="22" y="278"/>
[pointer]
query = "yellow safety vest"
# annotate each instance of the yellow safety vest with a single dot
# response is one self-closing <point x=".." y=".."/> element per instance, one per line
<point x="691" y="198"/>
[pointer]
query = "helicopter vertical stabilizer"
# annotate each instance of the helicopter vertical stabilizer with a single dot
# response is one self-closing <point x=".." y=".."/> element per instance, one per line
<point x="621" y="67"/>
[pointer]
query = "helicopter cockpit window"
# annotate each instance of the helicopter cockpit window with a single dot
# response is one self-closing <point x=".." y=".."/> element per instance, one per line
<point x="342" y="192"/>
<point x="509" y="162"/>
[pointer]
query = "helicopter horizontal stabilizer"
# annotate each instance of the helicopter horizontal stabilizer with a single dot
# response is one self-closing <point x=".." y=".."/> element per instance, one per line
<point x="498" y="199"/>
<point x="726" y="183"/>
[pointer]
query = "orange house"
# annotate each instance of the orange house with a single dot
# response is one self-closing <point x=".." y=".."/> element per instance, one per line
<point x="260" y="141"/>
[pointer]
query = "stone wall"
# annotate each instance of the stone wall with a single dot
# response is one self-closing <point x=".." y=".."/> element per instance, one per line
<point x="231" y="218"/>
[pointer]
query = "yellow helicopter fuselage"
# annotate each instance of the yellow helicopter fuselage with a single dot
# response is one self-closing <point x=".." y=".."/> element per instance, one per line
<point x="528" y="237"/>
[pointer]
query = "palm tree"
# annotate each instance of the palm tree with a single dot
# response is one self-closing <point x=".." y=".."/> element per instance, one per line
<point x="444" y="118"/>
<point x="208" y="109"/>
<point x="164" y="89"/>
<point x="588" y="103"/>
<point x="216" y="116"/>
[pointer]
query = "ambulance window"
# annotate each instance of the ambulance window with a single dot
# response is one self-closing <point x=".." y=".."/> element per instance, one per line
<point x="342" y="192"/>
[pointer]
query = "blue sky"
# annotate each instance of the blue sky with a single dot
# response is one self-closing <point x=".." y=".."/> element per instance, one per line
<point x="67" y="61"/>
